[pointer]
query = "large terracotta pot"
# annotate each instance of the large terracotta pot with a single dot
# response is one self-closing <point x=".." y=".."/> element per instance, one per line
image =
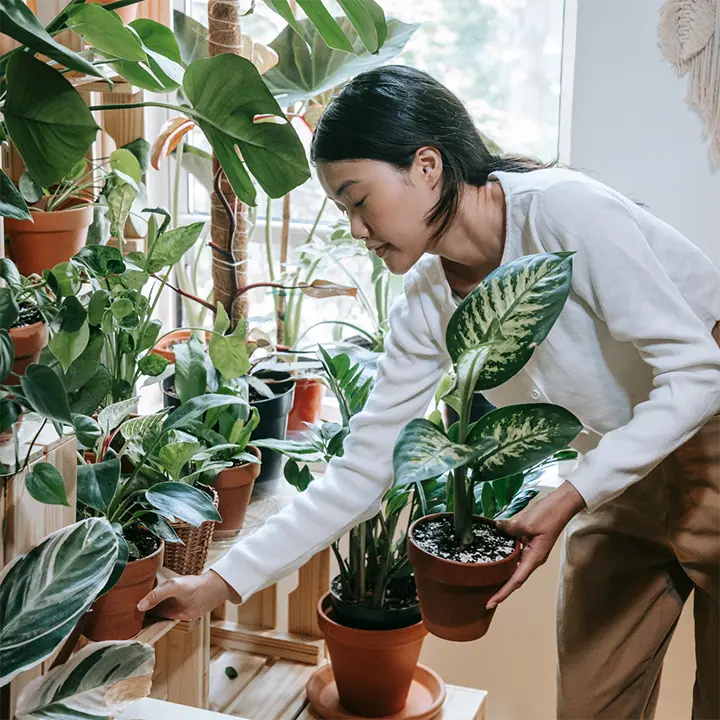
<point x="28" y="342"/>
<point x="234" y="487"/>
<point x="373" y="668"/>
<point x="115" y="615"/>
<point x="127" y="14"/>
<point x="50" y="238"/>
<point x="453" y="595"/>
<point x="307" y="405"/>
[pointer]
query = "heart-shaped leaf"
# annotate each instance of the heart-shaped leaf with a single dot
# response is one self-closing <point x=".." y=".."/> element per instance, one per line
<point x="99" y="681"/>
<point x="97" y="483"/>
<point x="45" y="483"/>
<point x="45" y="592"/>
<point x="87" y="430"/>
<point x="102" y="260"/>
<point x="12" y="203"/>
<point x="197" y="406"/>
<point x="111" y="416"/>
<point x="67" y="278"/>
<point x="29" y="189"/>
<point x="124" y="161"/>
<point x="227" y="93"/>
<point x="526" y="435"/>
<point x="45" y="393"/>
<point x="512" y="311"/>
<point x="104" y="30"/>
<point x="171" y="246"/>
<point x="68" y="346"/>
<point x="229" y="353"/>
<point x="184" y="502"/>
<point x="423" y="451"/>
<point x="153" y="365"/>
<point x="174" y="456"/>
<point x="47" y="119"/>
<point x="9" y="309"/>
<point x="190" y="370"/>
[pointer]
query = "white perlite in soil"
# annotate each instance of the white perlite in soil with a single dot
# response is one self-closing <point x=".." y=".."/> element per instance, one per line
<point x="437" y="537"/>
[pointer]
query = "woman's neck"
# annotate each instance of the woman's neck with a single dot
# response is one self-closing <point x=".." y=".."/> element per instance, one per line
<point x="473" y="246"/>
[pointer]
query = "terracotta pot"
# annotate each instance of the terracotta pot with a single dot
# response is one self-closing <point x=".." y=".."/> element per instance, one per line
<point x="373" y="668"/>
<point x="52" y="238"/>
<point x="127" y="14"/>
<point x="28" y="341"/>
<point x="164" y="346"/>
<point x="453" y="595"/>
<point x="234" y="487"/>
<point x="307" y="405"/>
<point x="115" y="615"/>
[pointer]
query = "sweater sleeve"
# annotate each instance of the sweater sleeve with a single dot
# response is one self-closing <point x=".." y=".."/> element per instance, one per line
<point x="617" y="274"/>
<point x="352" y="487"/>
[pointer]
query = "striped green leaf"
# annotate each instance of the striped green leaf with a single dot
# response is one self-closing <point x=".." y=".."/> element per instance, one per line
<point x="513" y="309"/>
<point x="98" y="682"/>
<point x="525" y="435"/>
<point x="143" y="426"/>
<point x="45" y="592"/>
<point x="423" y="451"/>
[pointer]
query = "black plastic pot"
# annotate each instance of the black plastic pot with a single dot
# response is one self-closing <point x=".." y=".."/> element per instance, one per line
<point x="273" y="420"/>
<point x="480" y="406"/>
<point x="364" y="618"/>
<point x="170" y="397"/>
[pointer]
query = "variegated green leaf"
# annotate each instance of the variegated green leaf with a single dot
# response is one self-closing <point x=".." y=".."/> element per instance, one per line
<point x="143" y="426"/>
<point x="175" y="455"/>
<point x="293" y="449"/>
<point x="45" y="592"/>
<point x="525" y="435"/>
<point x="112" y="415"/>
<point x="525" y="298"/>
<point x="519" y="502"/>
<point x="423" y="451"/>
<point x="98" y="682"/>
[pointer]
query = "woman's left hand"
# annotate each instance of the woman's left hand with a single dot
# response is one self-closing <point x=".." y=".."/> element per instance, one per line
<point x="538" y="527"/>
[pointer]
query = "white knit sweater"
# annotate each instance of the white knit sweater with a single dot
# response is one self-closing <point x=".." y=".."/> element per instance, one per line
<point x="631" y="355"/>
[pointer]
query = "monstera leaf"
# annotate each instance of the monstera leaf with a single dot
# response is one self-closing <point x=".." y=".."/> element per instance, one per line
<point x="308" y="67"/>
<point x="423" y="451"/>
<point x="228" y="94"/>
<point x="98" y="682"/>
<point x="525" y="434"/>
<point x="511" y="311"/>
<point x="44" y="593"/>
<point x="47" y="119"/>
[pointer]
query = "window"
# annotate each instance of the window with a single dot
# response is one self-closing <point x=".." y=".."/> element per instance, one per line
<point x="503" y="59"/>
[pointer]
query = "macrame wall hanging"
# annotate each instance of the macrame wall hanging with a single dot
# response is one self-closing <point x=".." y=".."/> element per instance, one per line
<point x="689" y="36"/>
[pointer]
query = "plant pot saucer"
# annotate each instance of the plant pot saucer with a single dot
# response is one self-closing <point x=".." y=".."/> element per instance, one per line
<point x="426" y="697"/>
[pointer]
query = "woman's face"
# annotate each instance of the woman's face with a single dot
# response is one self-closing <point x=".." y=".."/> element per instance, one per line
<point x="387" y="207"/>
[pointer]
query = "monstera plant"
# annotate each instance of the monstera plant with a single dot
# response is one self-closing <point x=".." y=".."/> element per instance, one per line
<point x="490" y="337"/>
<point x="52" y="127"/>
<point x="43" y="596"/>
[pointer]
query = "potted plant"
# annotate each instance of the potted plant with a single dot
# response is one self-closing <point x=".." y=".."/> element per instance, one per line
<point x="370" y="618"/>
<point x="143" y="504"/>
<point x="100" y="680"/>
<point x="460" y="559"/>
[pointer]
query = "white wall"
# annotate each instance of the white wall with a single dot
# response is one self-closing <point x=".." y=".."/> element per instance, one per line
<point x="630" y="124"/>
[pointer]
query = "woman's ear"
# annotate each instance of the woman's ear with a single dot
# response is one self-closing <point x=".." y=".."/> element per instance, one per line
<point x="428" y="165"/>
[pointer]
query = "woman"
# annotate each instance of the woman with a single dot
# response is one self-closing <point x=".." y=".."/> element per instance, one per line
<point x="631" y="355"/>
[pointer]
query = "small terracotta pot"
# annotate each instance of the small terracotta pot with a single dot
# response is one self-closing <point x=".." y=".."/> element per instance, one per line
<point x="307" y="405"/>
<point x="127" y="14"/>
<point x="164" y="346"/>
<point x="50" y="238"/>
<point x="373" y="668"/>
<point x="234" y="487"/>
<point x="28" y="342"/>
<point x="453" y="595"/>
<point x="115" y="615"/>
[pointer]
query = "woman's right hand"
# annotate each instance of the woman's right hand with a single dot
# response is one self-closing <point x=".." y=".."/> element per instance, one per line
<point x="187" y="597"/>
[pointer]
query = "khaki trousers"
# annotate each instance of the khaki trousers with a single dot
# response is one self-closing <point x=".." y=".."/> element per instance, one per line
<point x="627" y="570"/>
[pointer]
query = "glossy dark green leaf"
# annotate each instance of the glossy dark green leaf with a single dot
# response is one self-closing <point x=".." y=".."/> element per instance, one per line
<point x="160" y="527"/>
<point x="72" y="315"/>
<point x="87" y="400"/>
<point x="150" y="335"/>
<point x="196" y="407"/>
<point x="45" y="393"/>
<point x="97" y="483"/>
<point x="87" y="430"/>
<point x="82" y="370"/>
<point x="9" y="273"/>
<point x="120" y="562"/>
<point x="185" y="502"/>
<point x="47" y="119"/>
<point x="228" y="93"/>
<point x="29" y="189"/>
<point x="12" y="203"/>
<point x="519" y="502"/>
<point x="67" y="278"/>
<point x="20" y="23"/>
<point x="9" y="414"/>
<point x="45" y="483"/>
<point x="102" y="260"/>
<point x="96" y="307"/>
<point x="299" y="477"/>
<point x="368" y="19"/>
<point x="7" y="353"/>
<point x="9" y="309"/>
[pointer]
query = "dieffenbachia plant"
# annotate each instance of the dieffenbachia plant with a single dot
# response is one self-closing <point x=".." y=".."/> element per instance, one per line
<point x="490" y="338"/>
<point x="52" y="128"/>
<point x="43" y="595"/>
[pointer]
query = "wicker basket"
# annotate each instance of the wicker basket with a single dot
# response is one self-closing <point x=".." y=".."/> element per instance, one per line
<point x="190" y="558"/>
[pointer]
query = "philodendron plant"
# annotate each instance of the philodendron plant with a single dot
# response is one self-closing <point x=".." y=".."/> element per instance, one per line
<point x="43" y="595"/>
<point x="490" y="338"/>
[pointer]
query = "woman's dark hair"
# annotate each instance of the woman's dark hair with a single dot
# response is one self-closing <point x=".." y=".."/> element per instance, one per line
<point x="389" y="113"/>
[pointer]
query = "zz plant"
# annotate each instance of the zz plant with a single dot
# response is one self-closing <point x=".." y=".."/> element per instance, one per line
<point x="490" y="337"/>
